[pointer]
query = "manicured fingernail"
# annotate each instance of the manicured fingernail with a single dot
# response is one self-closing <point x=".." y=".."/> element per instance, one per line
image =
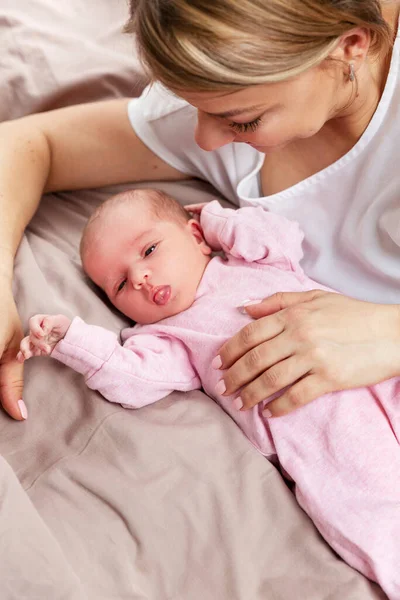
<point x="267" y="413"/>
<point x="242" y="307"/>
<point x="220" y="388"/>
<point x="238" y="403"/>
<point x="217" y="362"/>
<point x="23" y="409"/>
<point x="251" y="302"/>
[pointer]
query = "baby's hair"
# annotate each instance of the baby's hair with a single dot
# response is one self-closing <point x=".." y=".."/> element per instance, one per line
<point x="163" y="207"/>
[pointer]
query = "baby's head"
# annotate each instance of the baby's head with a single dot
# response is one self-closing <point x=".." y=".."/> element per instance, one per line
<point x="143" y="249"/>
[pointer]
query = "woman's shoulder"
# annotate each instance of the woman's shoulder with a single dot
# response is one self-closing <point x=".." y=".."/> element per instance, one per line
<point x="157" y="102"/>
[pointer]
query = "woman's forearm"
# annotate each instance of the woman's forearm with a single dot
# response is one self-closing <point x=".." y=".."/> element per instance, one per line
<point x="88" y="145"/>
<point x="24" y="169"/>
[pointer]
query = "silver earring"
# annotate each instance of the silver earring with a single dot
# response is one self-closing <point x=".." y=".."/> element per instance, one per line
<point x="352" y="73"/>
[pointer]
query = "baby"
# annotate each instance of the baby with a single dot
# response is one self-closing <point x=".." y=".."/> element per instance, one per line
<point x="154" y="263"/>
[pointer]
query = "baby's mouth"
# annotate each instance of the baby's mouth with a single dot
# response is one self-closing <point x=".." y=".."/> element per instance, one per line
<point x="161" y="294"/>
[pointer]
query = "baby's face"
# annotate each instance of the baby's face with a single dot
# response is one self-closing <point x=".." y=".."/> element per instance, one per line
<point x="149" y="268"/>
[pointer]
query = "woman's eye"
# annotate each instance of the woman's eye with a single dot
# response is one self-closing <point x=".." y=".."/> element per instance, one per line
<point x="121" y="285"/>
<point x="244" y="127"/>
<point x="150" y="250"/>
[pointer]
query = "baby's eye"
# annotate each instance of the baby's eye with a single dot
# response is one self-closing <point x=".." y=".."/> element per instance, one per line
<point x="150" y="250"/>
<point x="121" y="285"/>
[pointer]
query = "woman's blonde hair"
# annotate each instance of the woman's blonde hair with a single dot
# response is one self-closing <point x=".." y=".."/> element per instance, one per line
<point x="212" y="44"/>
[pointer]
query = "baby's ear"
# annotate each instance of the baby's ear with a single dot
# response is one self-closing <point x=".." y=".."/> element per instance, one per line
<point x="197" y="232"/>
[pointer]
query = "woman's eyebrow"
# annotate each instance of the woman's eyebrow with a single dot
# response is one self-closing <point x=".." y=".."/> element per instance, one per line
<point x="239" y="111"/>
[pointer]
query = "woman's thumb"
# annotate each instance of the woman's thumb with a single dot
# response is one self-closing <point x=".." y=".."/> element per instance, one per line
<point x="11" y="388"/>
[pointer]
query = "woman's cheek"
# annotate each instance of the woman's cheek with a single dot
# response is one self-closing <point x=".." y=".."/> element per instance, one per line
<point x="271" y="136"/>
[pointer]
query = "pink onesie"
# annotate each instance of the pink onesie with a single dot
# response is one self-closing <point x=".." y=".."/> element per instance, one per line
<point x="342" y="450"/>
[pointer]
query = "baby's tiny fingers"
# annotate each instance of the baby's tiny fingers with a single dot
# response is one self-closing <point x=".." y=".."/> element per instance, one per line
<point x="36" y="325"/>
<point x="20" y="357"/>
<point x="41" y="346"/>
<point x="50" y="322"/>
<point x="25" y="345"/>
<point x="45" y="349"/>
<point x="25" y="349"/>
<point x="195" y="208"/>
<point x="47" y="324"/>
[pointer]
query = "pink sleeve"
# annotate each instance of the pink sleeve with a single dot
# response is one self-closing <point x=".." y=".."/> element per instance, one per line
<point x="253" y="234"/>
<point x="145" y="369"/>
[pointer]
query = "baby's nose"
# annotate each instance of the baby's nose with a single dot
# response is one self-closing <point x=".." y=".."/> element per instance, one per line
<point x="140" y="280"/>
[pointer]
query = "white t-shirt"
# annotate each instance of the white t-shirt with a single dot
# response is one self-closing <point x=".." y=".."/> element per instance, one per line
<point x="349" y="212"/>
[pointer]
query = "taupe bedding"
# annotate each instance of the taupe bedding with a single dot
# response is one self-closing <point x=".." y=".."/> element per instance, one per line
<point x="170" y="502"/>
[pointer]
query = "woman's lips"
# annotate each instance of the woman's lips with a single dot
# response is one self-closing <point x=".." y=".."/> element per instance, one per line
<point x="161" y="294"/>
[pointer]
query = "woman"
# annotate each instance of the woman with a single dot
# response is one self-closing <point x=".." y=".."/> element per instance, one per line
<point x="285" y="103"/>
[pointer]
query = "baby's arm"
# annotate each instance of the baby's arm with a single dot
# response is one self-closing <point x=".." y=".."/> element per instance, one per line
<point x="145" y="369"/>
<point x="253" y="234"/>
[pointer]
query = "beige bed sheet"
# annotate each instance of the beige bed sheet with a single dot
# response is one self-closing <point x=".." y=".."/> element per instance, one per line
<point x="170" y="502"/>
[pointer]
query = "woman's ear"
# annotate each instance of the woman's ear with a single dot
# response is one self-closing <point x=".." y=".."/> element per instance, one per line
<point x="197" y="233"/>
<point x="353" y="46"/>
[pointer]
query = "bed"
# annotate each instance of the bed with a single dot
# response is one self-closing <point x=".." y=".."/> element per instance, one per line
<point x="170" y="502"/>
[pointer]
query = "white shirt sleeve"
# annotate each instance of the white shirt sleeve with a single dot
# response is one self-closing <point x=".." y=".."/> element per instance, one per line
<point x="166" y="125"/>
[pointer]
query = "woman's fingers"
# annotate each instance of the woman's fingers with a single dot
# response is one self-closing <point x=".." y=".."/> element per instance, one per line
<point x="11" y="371"/>
<point x="273" y="380"/>
<point x="301" y="393"/>
<point x="261" y="358"/>
<point x="246" y="339"/>
<point x="270" y="322"/>
<point x="280" y="301"/>
<point x="11" y="385"/>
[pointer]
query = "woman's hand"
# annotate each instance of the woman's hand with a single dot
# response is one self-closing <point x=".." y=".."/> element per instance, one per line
<point x="11" y="371"/>
<point x="308" y="344"/>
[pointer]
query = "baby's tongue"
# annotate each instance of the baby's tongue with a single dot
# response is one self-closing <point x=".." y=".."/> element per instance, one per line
<point x="162" y="295"/>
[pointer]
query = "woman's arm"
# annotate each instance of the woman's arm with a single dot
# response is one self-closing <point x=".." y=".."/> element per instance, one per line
<point x="83" y="146"/>
<point x="78" y="147"/>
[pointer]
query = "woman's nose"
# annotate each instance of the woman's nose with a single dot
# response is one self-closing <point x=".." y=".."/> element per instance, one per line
<point x="210" y="133"/>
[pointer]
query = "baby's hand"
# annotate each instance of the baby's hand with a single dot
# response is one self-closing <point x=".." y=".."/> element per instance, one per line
<point x="195" y="209"/>
<point x="45" y="331"/>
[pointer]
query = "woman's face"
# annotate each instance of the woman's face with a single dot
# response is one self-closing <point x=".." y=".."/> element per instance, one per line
<point x="270" y="116"/>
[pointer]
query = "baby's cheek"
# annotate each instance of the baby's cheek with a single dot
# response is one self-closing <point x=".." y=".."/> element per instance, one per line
<point x="139" y="311"/>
